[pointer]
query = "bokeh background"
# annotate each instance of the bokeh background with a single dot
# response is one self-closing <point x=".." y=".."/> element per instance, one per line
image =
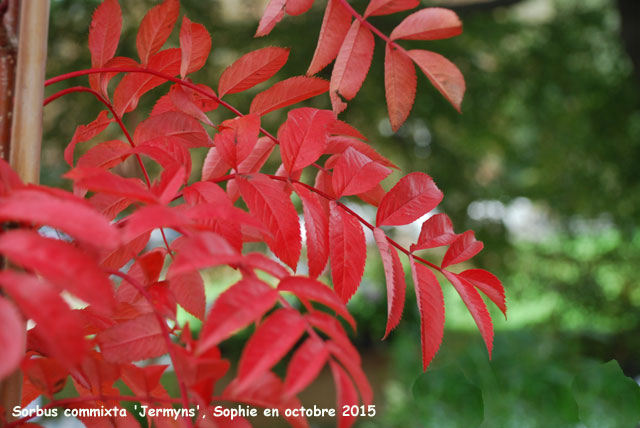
<point x="543" y="164"/>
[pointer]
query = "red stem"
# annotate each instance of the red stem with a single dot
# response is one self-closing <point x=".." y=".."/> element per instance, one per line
<point x="165" y="333"/>
<point x="122" y="127"/>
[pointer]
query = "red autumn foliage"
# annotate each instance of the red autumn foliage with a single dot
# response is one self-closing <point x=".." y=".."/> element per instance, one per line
<point x="101" y="254"/>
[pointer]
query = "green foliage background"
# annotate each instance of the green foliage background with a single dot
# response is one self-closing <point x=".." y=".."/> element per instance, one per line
<point x="543" y="164"/>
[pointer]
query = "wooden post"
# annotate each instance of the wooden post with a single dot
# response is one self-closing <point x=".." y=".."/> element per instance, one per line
<point x="26" y="130"/>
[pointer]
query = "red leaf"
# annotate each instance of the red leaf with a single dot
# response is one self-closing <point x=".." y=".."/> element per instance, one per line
<point x="258" y="156"/>
<point x="58" y="327"/>
<point x="335" y="25"/>
<point x="346" y="395"/>
<point x="150" y="217"/>
<point x="272" y="14"/>
<point x="270" y="342"/>
<point x="431" y="23"/>
<point x="463" y="248"/>
<point x="189" y="291"/>
<point x="354" y="369"/>
<point x="400" y="85"/>
<point x="71" y="215"/>
<point x="117" y="259"/>
<point x="298" y="7"/>
<point x="344" y="129"/>
<point x="394" y="275"/>
<point x="187" y="101"/>
<point x="436" y="232"/>
<point x="169" y="152"/>
<point x="175" y="125"/>
<point x="237" y="138"/>
<point x="308" y="288"/>
<point x="348" y="251"/>
<point x="431" y="306"/>
<point x="476" y="306"/>
<point x="355" y="173"/>
<point x="339" y="144"/>
<point x="45" y="374"/>
<point x="387" y="7"/>
<point x="214" y="166"/>
<point x="333" y="328"/>
<point x="269" y="204"/>
<point x="288" y="92"/>
<point x="442" y="73"/>
<point x="132" y="340"/>
<point x="155" y="28"/>
<point x="303" y="137"/>
<point x="412" y="197"/>
<point x="316" y="228"/>
<point x="13" y="338"/>
<point x="202" y="250"/>
<point x="99" y="180"/>
<point x="86" y="132"/>
<point x="238" y="306"/>
<point x="195" y="45"/>
<point x="134" y="85"/>
<point x="104" y="34"/>
<point x="305" y="366"/>
<point x="352" y="63"/>
<point x="106" y="77"/>
<point x="63" y="264"/>
<point x="108" y="205"/>
<point x="105" y="155"/>
<point x="9" y="180"/>
<point x="489" y="284"/>
<point x="252" y="68"/>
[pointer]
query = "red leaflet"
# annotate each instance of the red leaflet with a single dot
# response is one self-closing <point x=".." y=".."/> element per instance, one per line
<point x="117" y="259"/>
<point x="251" y="69"/>
<point x="134" y="85"/>
<point x="150" y="217"/>
<point x="413" y="196"/>
<point x="387" y="7"/>
<point x="195" y="45"/>
<point x="355" y="173"/>
<point x="307" y="288"/>
<point x="303" y="137"/>
<point x="214" y="166"/>
<point x="335" y="25"/>
<point x="489" y="284"/>
<point x="394" y="275"/>
<point x="144" y="381"/>
<point x="204" y="192"/>
<point x="431" y="306"/>
<point x="58" y="327"/>
<point x="62" y="263"/>
<point x="169" y="152"/>
<point x="436" y="232"/>
<point x="344" y="129"/>
<point x="352" y="65"/>
<point x="9" y="180"/>
<point x="155" y="28"/>
<point x="108" y="205"/>
<point x="355" y="371"/>
<point x="273" y="13"/>
<point x="288" y="92"/>
<point x="431" y="23"/>
<point x="86" y="132"/>
<point x="99" y="180"/>
<point x="463" y="248"/>
<point x="203" y="250"/>
<point x="182" y="100"/>
<point x="476" y="306"/>
<point x="332" y="328"/>
<point x="298" y="7"/>
<point x="240" y="305"/>
<point x="339" y="144"/>
<point x="316" y="228"/>
<point x="347" y="395"/>
<point x="46" y="374"/>
<point x="132" y="340"/>
<point x="269" y="204"/>
<point x="105" y="155"/>
<point x="175" y="125"/>
<point x="71" y="215"/>
<point x="399" y="85"/>
<point x="257" y="158"/>
<point x="237" y="138"/>
<point x="104" y="34"/>
<point x="305" y="366"/>
<point x="189" y="291"/>
<point x="348" y="251"/>
<point x="12" y="338"/>
<point x="271" y="341"/>
<point x="442" y="73"/>
<point x="106" y="77"/>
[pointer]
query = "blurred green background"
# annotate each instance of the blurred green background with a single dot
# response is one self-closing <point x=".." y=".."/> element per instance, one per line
<point x="542" y="164"/>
